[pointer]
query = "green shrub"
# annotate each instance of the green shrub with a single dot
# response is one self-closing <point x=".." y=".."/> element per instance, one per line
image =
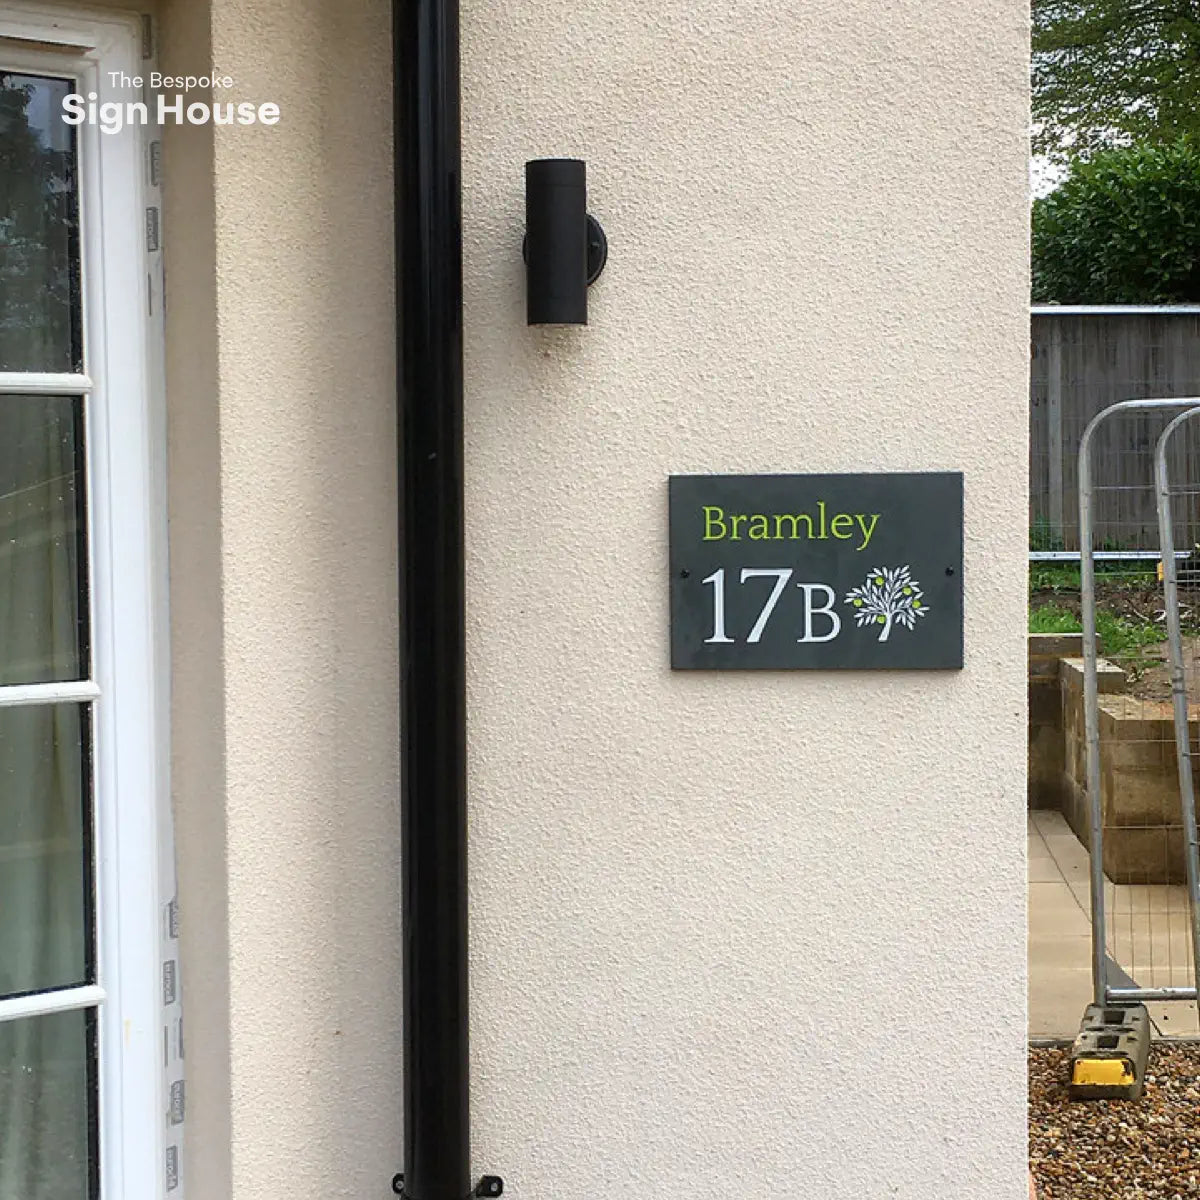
<point x="1122" y="228"/>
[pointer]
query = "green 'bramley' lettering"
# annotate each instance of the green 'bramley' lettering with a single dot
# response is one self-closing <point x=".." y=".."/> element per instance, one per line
<point x="721" y="526"/>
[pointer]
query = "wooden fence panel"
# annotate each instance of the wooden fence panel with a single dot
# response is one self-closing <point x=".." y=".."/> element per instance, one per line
<point x="1080" y="364"/>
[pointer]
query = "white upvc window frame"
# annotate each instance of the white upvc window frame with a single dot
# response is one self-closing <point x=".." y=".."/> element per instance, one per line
<point x="126" y="505"/>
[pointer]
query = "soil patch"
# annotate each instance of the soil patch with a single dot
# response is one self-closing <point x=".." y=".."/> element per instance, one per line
<point x="1149" y="675"/>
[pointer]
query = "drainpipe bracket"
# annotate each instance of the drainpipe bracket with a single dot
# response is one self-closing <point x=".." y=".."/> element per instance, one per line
<point x="489" y="1186"/>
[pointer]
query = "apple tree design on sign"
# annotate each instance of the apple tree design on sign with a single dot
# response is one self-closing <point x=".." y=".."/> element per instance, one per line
<point x="888" y="595"/>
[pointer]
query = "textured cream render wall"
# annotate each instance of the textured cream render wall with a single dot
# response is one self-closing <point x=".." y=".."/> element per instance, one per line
<point x="282" y="462"/>
<point x="744" y="935"/>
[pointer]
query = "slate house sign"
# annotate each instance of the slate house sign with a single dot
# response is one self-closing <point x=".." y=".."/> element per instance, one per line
<point x="816" y="571"/>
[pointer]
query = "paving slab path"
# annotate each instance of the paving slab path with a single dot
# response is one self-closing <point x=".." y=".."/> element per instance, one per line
<point x="1148" y="935"/>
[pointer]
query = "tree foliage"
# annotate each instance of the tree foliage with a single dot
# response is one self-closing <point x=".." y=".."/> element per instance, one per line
<point x="1110" y="72"/>
<point x="1122" y="228"/>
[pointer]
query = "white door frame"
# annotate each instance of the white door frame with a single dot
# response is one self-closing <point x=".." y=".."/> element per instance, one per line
<point x="126" y="456"/>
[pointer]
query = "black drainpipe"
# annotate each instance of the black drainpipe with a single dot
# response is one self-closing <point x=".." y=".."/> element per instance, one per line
<point x="427" y="150"/>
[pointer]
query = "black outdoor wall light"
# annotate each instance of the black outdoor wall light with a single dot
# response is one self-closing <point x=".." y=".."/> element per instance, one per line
<point x="565" y="249"/>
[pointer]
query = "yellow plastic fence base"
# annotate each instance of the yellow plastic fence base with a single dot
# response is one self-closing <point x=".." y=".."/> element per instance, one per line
<point x="1102" y="1072"/>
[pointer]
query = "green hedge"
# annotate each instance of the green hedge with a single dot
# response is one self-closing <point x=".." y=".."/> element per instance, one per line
<point x="1122" y="228"/>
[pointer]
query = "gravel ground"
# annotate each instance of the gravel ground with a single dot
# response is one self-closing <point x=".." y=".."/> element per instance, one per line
<point x="1147" y="1149"/>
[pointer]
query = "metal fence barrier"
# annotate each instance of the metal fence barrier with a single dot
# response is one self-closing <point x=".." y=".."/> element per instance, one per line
<point x="1144" y="884"/>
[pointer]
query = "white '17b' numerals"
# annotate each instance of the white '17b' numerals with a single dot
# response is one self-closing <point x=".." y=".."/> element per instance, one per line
<point x="717" y="579"/>
<point x="781" y="575"/>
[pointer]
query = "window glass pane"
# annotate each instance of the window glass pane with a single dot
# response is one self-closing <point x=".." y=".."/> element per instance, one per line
<point x="40" y="326"/>
<point x="45" y="849"/>
<point x="43" y="594"/>
<point x="48" y="1108"/>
